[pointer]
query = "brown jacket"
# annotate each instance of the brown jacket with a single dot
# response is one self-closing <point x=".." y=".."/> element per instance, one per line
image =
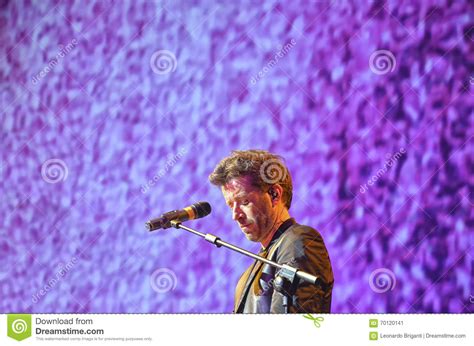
<point x="301" y="247"/>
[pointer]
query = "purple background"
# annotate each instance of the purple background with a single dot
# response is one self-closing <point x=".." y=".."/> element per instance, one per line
<point x="80" y="83"/>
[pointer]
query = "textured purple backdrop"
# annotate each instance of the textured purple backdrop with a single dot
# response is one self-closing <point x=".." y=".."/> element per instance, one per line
<point x="116" y="111"/>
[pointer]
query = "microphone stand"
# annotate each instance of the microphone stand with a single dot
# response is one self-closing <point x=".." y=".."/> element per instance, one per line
<point x="286" y="278"/>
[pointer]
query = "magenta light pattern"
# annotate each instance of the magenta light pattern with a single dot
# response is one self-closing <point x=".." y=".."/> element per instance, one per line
<point x="114" y="112"/>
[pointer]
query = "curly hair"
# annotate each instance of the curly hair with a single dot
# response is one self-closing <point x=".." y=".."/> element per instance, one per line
<point x="264" y="169"/>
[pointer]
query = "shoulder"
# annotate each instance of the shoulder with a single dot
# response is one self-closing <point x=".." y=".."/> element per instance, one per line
<point x="300" y="233"/>
<point x="303" y="246"/>
<point x="299" y="241"/>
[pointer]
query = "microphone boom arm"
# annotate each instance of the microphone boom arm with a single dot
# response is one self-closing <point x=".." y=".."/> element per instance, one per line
<point x="286" y="271"/>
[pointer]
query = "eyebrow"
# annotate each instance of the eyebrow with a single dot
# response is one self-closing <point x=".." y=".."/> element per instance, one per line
<point x="240" y="196"/>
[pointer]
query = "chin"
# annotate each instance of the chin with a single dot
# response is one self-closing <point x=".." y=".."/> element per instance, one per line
<point x="251" y="237"/>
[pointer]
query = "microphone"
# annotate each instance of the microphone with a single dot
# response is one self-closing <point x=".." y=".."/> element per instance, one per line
<point x="195" y="211"/>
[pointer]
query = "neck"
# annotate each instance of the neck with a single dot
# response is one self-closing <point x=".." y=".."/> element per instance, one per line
<point x="281" y="217"/>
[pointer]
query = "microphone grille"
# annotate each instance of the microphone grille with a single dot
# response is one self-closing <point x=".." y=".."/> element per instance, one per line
<point x="201" y="209"/>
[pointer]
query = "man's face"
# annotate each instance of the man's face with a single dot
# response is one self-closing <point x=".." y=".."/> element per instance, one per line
<point x="251" y="208"/>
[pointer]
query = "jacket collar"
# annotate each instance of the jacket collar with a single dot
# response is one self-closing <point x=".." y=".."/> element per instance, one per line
<point x="257" y="264"/>
<point x="283" y="227"/>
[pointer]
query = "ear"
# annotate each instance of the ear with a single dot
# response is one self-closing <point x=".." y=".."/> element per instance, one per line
<point x="276" y="193"/>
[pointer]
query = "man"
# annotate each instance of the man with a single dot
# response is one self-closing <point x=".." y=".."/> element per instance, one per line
<point x="258" y="189"/>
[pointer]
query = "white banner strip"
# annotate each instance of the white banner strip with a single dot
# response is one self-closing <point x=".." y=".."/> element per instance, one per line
<point x="180" y="329"/>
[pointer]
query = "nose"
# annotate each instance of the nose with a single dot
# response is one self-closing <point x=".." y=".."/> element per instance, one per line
<point x="236" y="213"/>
